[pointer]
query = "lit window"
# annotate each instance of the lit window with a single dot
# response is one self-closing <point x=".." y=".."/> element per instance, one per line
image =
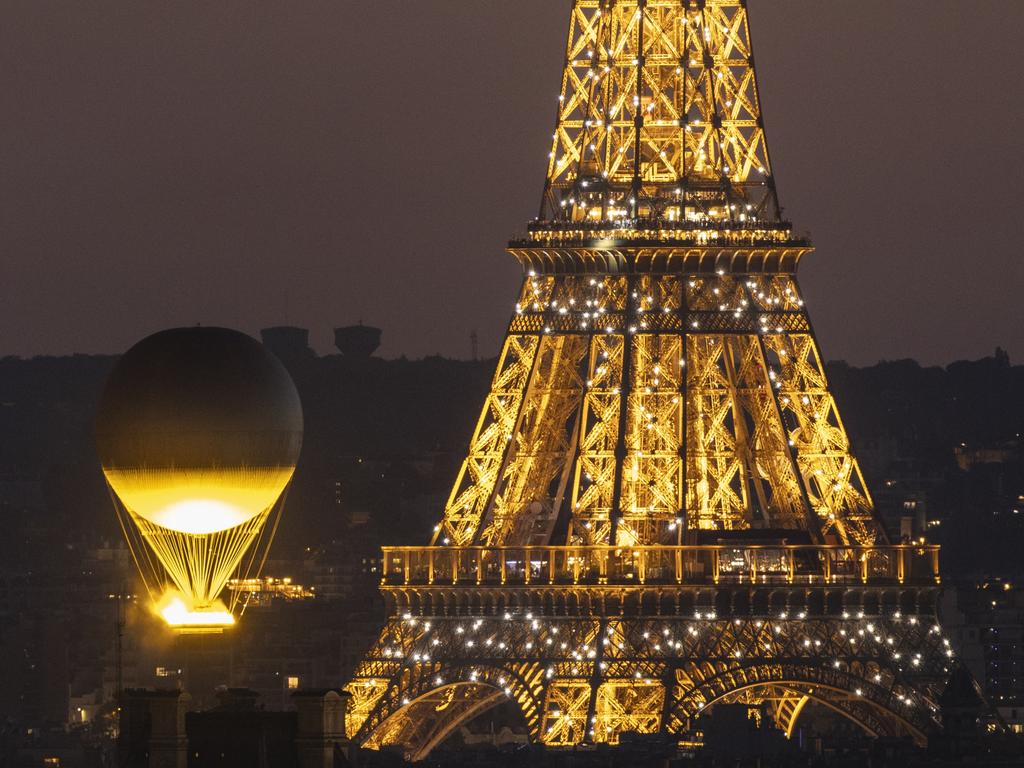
<point x="293" y="683"/>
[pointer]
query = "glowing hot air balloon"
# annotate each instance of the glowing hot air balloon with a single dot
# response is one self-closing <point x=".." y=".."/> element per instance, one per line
<point x="198" y="433"/>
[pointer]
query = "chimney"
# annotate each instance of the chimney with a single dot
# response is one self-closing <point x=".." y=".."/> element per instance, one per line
<point x="321" y="726"/>
<point x="153" y="729"/>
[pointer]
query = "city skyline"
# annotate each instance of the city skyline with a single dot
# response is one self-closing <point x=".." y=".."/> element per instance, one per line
<point x="668" y="520"/>
<point x="227" y="166"/>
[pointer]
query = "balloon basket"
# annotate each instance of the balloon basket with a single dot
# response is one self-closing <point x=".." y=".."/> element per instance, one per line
<point x="207" y="620"/>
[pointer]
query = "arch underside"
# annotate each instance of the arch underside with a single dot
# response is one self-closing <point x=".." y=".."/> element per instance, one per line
<point x="428" y="720"/>
<point x="426" y="678"/>
<point x="786" y="702"/>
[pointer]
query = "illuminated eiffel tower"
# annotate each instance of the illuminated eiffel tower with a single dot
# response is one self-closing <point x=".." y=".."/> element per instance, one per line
<point x="660" y="510"/>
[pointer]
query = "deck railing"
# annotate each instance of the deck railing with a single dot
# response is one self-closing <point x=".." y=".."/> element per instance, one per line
<point x="709" y="564"/>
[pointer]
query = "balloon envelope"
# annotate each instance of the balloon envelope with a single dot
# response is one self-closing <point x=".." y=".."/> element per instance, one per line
<point x="199" y="429"/>
<point x="198" y="432"/>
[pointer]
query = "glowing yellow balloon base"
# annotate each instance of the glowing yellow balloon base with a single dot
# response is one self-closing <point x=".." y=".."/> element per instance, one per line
<point x="199" y="501"/>
<point x="212" y="619"/>
<point x="190" y="570"/>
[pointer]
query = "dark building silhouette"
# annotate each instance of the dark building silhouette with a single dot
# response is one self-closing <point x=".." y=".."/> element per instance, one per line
<point x="742" y="731"/>
<point x="289" y="343"/>
<point x="159" y="732"/>
<point x="962" y="707"/>
<point x="357" y="341"/>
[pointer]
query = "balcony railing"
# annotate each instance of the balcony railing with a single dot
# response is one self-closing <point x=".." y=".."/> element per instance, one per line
<point x="713" y="564"/>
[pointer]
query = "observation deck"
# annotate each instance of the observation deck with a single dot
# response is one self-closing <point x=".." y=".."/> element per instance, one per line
<point x="625" y="232"/>
<point x="680" y="565"/>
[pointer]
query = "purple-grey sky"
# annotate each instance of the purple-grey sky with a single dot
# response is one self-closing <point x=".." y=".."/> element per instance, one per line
<point x="317" y="162"/>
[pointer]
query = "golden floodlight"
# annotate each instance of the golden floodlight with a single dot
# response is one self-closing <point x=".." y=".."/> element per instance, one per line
<point x="198" y="433"/>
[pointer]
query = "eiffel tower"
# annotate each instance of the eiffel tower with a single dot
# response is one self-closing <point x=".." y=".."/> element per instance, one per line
<point x="659" y="510"/>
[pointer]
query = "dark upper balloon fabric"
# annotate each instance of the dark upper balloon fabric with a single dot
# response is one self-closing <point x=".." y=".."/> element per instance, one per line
<point x="199" y="397"/>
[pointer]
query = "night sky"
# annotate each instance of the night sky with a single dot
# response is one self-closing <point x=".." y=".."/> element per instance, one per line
<point x="316" y="162"/>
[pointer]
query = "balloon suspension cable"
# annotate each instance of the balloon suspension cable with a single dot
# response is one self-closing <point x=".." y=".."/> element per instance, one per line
<point x="134" y="536"/>
<point x="257" y="545"/>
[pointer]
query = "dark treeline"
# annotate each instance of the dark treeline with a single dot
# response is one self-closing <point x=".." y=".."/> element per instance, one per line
<point x="384" y="439"/>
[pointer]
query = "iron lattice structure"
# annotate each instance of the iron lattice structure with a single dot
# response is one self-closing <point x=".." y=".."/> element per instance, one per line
<point x="659" y="510"/>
